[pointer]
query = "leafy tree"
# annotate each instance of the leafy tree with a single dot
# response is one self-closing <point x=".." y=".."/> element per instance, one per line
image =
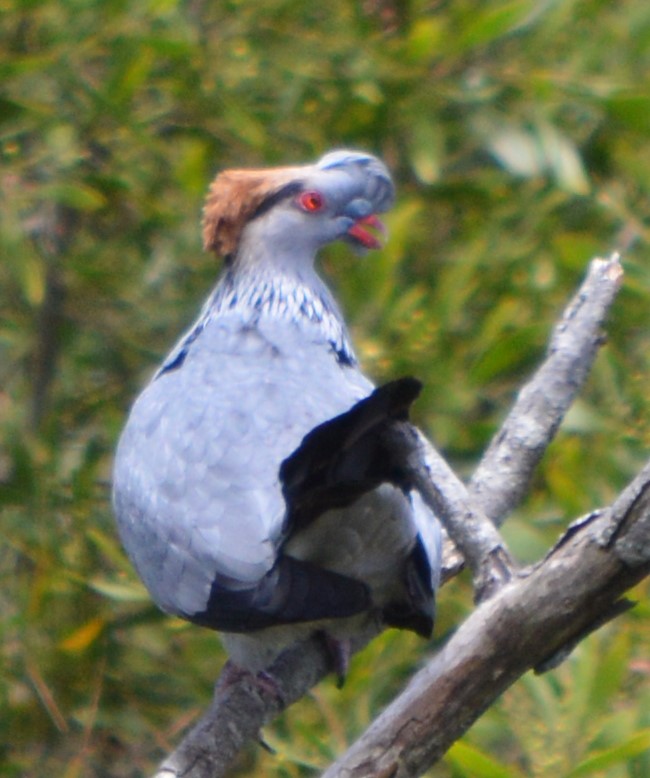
<point x="519" y="136"/>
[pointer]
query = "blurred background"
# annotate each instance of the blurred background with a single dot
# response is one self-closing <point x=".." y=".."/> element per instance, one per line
<point x="519" y="136"/>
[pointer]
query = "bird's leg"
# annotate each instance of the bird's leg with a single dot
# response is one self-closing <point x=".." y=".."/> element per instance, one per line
<point x="339" y="651"/>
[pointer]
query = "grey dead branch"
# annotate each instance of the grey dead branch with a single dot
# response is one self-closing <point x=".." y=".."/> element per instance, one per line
<point x="525" y="619"/>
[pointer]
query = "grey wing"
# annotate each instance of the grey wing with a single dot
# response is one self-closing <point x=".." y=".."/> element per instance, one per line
<point x="196" y="479"/>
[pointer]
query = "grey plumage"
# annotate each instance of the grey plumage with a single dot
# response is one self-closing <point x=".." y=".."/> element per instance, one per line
<point x="198" y="493"/>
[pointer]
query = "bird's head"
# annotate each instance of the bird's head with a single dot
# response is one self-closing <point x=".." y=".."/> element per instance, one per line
<point x="296" y="210"/>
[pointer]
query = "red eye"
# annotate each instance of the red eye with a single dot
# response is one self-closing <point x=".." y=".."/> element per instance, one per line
<point x="311" y="201"/>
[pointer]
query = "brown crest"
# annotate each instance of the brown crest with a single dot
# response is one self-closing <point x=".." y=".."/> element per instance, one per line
<point x="234" y="196"/>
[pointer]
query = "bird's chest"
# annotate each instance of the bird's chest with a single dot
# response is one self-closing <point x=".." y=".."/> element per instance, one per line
<point x="270" y="384"/>
<point x="216" y="428"/>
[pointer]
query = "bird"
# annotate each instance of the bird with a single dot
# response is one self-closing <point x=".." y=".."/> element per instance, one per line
<point x="254" y="488"/>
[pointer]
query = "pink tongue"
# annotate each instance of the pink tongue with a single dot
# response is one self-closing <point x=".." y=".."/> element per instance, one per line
<point x="366" y="238"/>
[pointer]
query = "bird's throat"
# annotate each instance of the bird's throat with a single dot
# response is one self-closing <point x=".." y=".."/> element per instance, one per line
<point x="296" y="298"/>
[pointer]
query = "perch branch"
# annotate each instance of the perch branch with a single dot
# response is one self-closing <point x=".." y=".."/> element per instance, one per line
<point x="575" y="589"/>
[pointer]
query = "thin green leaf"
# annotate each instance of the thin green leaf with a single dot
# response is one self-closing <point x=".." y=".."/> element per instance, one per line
<point x="638" y="744"/>
<point x="477" y="764"/>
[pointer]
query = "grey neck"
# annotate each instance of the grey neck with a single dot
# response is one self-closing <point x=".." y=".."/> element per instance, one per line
<point x="255" y="294"/>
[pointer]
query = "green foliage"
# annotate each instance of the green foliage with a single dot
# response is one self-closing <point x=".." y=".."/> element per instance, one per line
<point x="519" y="133"/>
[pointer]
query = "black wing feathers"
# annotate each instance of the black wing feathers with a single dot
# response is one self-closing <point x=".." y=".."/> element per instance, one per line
<point x="346" y="457"/>
<point x="293" y="591"/>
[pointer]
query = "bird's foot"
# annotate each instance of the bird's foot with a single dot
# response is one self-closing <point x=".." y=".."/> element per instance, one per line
<point x="261" y="682"/>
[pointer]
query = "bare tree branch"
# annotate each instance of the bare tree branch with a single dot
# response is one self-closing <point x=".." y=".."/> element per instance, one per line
<point x="575" y="589"/>
<point x="613" y="540"/>
<point x="503" y="475"/>
<point x="473" y="533"/>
